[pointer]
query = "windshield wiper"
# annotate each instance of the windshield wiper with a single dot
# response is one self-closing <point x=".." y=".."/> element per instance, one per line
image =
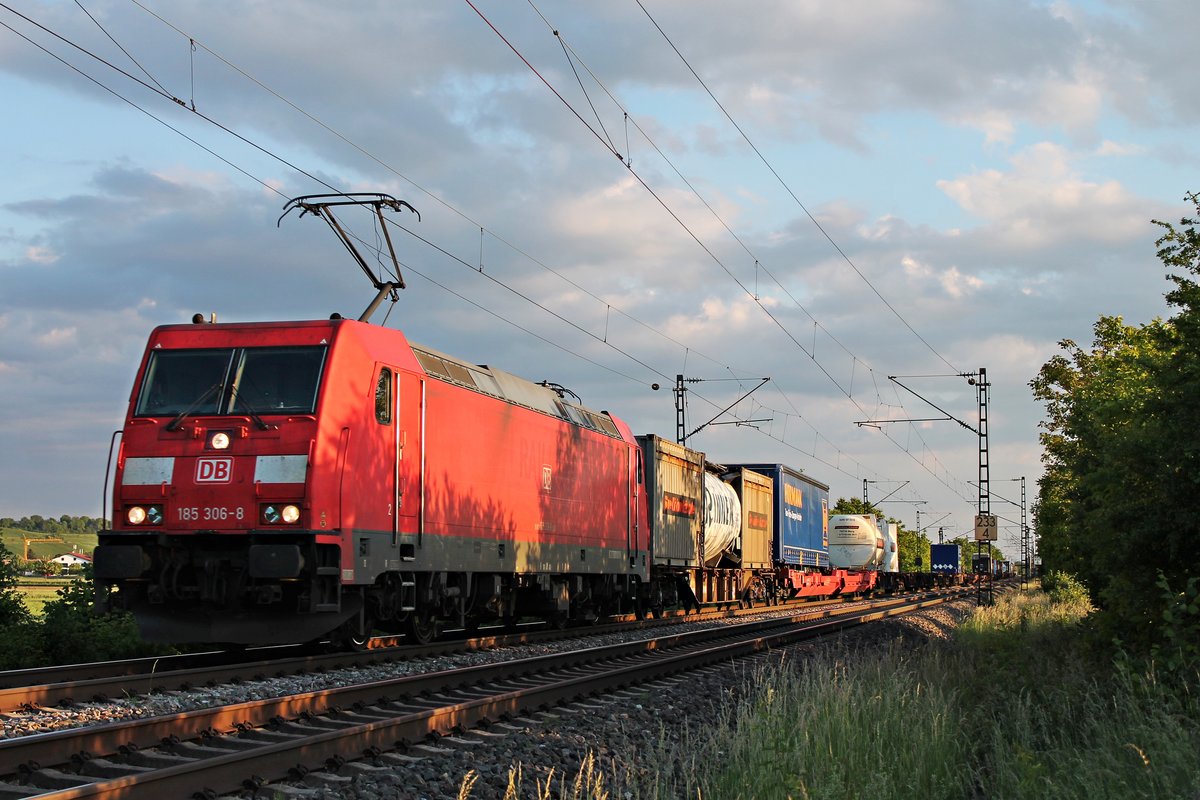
<point x="174" y="424"/>
<point x="259" y="422"/>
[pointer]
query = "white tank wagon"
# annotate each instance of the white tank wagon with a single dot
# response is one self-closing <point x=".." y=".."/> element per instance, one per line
<point x="891" y="546"/>
<point x="855" y="542"/>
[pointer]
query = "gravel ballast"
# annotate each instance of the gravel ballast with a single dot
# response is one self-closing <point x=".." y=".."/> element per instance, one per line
<point x="613" y="731"/>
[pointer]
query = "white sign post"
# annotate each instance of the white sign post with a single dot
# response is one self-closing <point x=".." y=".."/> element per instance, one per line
<point x="986" y="528"/>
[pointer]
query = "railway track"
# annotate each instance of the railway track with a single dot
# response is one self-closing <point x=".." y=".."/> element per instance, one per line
<point x="240" y="746"/>
<point x="98" y="682"/>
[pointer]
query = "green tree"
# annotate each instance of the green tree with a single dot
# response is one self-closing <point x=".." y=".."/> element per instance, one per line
<point x="1121" y="452"/>
<point x="12" y="607"/>
<point x="854" y="505"/>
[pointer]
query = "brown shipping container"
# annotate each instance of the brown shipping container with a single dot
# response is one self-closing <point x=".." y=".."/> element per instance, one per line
<point x="675" y="489"/>
<point x="757" y="494"/>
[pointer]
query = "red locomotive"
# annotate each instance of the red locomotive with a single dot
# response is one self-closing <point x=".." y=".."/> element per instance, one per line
<point x="279" y="481"/>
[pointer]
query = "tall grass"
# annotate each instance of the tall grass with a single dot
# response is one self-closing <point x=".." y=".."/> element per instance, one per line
<point x="1015" y="705"/>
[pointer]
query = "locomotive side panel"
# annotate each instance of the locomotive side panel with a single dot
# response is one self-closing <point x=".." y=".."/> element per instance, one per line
<point x="539" y="494"/>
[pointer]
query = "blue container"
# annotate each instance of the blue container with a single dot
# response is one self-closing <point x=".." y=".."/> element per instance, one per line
<point x="801" y="511"/>
<point x="944" y="558"/>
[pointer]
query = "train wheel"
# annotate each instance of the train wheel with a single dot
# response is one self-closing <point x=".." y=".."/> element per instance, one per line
<point x="421" y="627"/>
<point x="639" y="609"/>
<point x="349" y="637"/>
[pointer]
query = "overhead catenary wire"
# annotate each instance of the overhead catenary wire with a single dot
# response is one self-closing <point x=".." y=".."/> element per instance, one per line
<point x="791" y="193"/>
<point x="753" y="295"/>
<point x="291" y="165"/>
<point x="816" y="323"/>
<point x="606" y="142"/>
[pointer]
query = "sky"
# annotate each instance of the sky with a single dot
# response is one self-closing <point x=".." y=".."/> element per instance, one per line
<point x="866" y="202"/>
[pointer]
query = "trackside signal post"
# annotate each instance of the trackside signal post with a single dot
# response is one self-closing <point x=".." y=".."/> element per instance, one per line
<point x="985" y="523"/>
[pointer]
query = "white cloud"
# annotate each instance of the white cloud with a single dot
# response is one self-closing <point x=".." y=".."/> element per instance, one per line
<point x="998" y="125"/>
<point x="57" y="337"/>
<point x="1119" y="149"/>
<point x="41" y="255"/>
<point x="958" y="284"/>
<point x="1042" y="198"/>
<point x="952" y="281"/>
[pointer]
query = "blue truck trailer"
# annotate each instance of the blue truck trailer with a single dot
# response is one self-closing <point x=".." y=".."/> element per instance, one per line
<point x="945" y="558"/>
<point x="801" y="510"/>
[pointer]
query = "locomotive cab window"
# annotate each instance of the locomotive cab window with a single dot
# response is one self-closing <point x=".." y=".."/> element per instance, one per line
<point x="179" y="380"/>
<point x="231" y="381"/>
<point x="383" y="397"/>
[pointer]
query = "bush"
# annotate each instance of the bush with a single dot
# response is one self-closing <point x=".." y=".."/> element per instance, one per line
<point x="79" y="634"/>
<point x="1064" y="588"/>
<point x="12" y="607"/>
<point x="1178" y="646"/>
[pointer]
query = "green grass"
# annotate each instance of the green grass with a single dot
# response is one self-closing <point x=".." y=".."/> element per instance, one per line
<point x="1016" y="705"/>
<point x="36" y="592"/>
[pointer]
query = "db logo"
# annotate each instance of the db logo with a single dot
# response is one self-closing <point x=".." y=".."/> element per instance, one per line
<point x="214" y="470"/>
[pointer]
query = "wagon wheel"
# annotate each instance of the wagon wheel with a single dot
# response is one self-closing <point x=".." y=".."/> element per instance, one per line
<point x="357" y="641"/>
<point x="421" y="627"/>
<point x="639" y="609"/>
<point x="656" y="602"/>
<point x="349" y="637"/>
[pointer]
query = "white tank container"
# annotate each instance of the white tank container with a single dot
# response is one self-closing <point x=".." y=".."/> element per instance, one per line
<point x="891" y="546"/>
<point x="722" y="519"/>
<point x="855" y="542"/>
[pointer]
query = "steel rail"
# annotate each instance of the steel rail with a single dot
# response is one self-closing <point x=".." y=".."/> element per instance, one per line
<point x="101" y="681"/>
<point x="368" y="731"/>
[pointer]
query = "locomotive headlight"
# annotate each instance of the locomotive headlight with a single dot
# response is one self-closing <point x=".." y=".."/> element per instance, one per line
<point x="144" y="515"/>
<point x="281" y="514"/>
<point x="220" y="440"/>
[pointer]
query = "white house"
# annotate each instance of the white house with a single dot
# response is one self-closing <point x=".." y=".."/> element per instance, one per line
<point x="69" y="560"/>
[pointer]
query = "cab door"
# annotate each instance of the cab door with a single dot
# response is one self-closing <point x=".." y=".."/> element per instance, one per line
<point x="389" y="446"/>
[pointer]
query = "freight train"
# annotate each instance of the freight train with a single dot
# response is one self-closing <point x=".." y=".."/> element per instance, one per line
<point x="292" y="481"/>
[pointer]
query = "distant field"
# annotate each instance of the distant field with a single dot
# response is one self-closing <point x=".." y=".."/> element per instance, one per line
<point x="13" y="540"/>
<point x="39" y="591"/>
